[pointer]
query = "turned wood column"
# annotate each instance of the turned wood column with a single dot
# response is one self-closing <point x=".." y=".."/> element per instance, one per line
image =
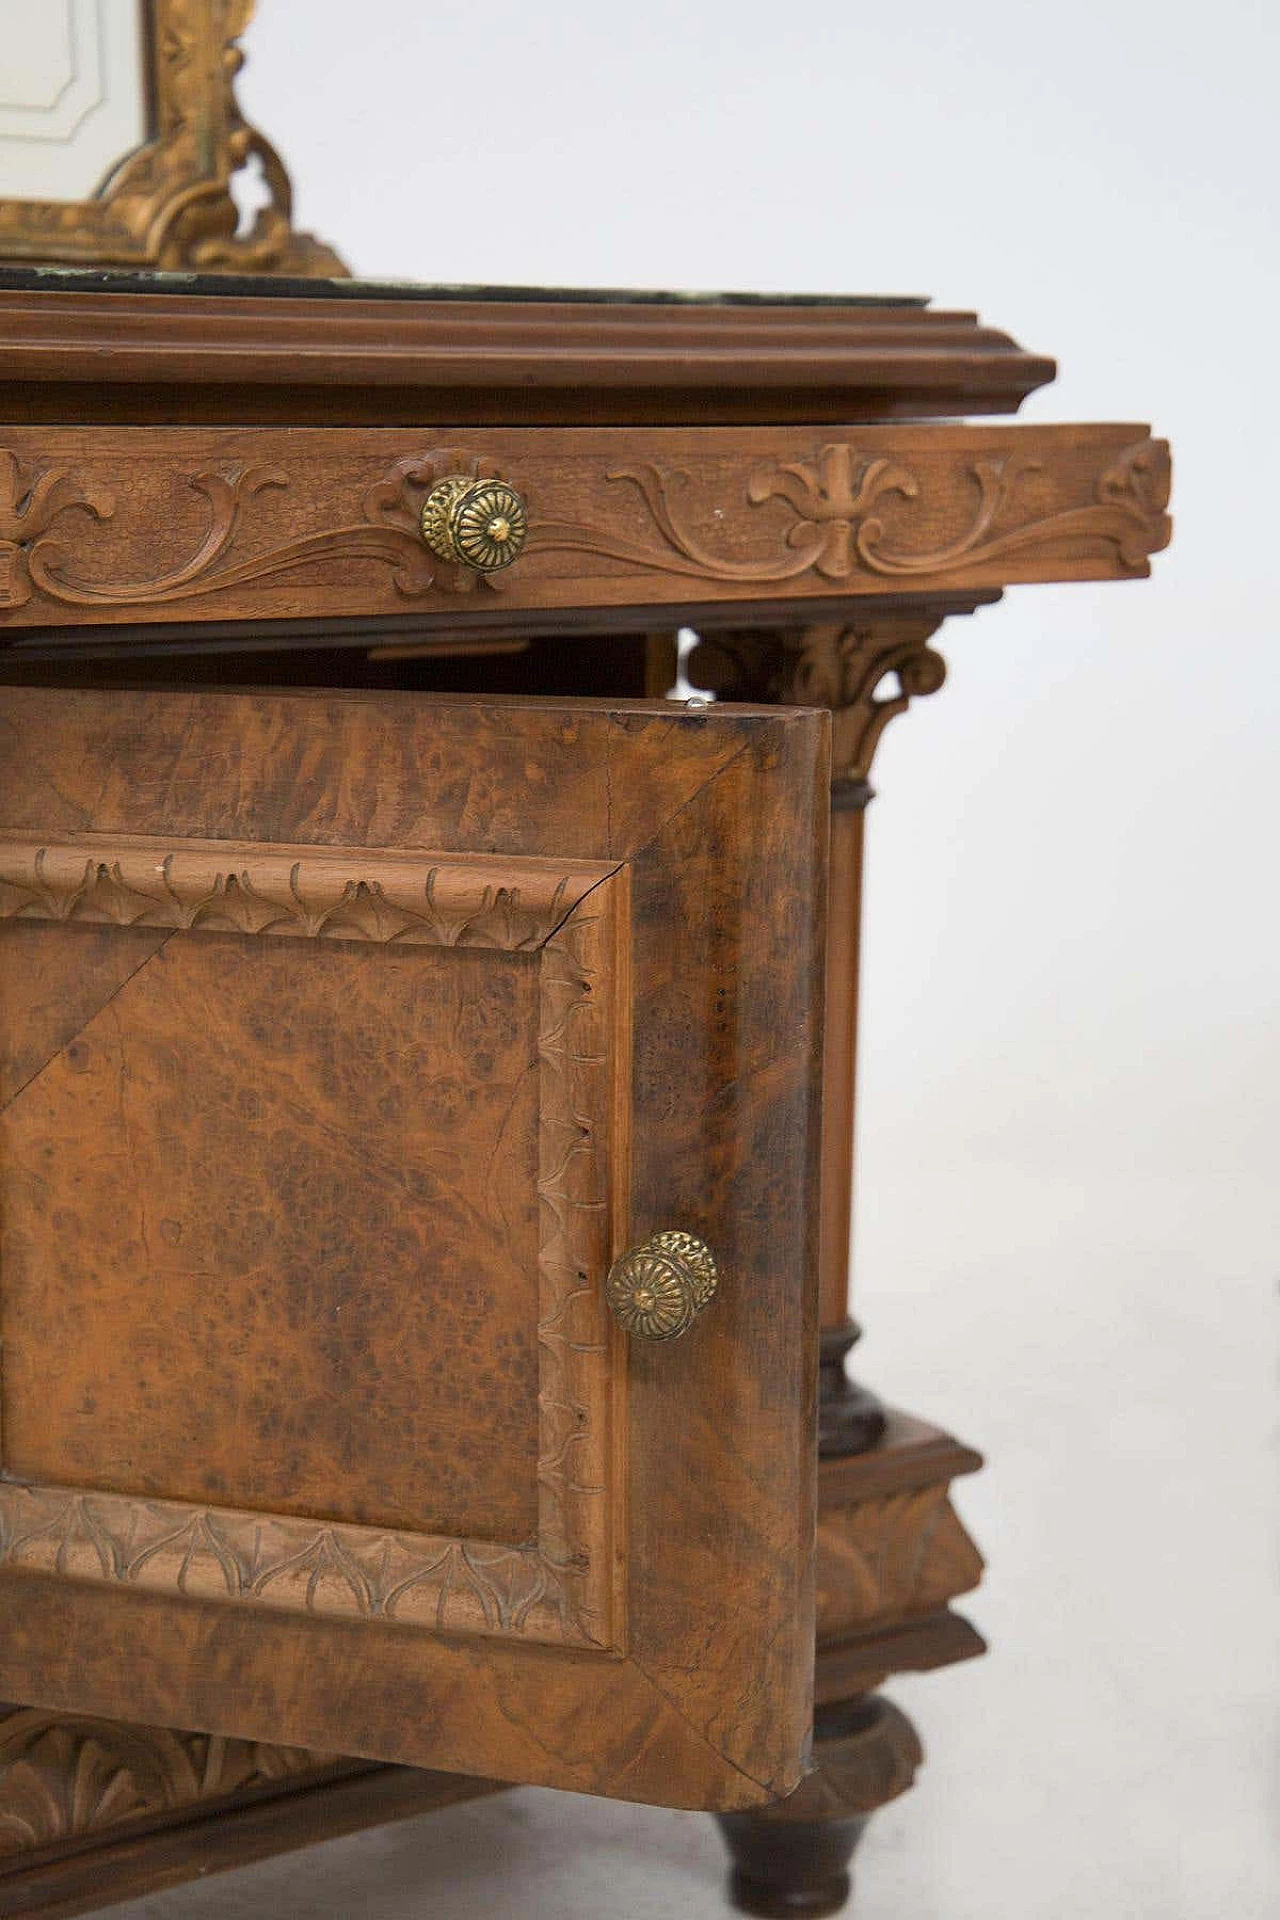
<point x="866" y="671"/>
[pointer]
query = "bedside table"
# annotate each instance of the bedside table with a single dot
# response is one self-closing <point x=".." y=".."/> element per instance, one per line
<point x="424" y="1258"/>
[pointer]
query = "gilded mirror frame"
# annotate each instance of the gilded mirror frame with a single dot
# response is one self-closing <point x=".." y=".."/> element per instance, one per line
<point x="168" y="203"/>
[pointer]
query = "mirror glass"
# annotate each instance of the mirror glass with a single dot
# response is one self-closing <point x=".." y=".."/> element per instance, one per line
<point x="73" y="98"/>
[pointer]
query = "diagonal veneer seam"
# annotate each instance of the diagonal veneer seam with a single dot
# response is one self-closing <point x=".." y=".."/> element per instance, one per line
<point x="97" y="1013"/>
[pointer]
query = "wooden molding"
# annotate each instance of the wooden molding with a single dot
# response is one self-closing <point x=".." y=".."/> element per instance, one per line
<point x="453" y="355"/>
<point x="839" y="526"/>
<point x="891" y="1547"/>
<point x="865" y="1661"/>
<point x="169" y="203"/>
<point x="300" y="892"/>
<point x="96" y="1811"/>
<point x="888" y="1558"/>
<point x="218" y="1836"/>
<point x="64" y="1777"/>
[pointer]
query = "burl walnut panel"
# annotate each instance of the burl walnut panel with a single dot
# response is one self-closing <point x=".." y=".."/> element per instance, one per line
<point x="659" y="872"/>
<point x="293" y="1224"/>
<point x="270" y="1235"/>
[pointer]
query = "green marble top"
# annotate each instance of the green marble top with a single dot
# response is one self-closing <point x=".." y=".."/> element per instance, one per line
<point x="265" y="286"/>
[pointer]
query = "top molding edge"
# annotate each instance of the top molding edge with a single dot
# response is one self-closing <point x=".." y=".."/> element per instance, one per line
<point x="97" y="355"/>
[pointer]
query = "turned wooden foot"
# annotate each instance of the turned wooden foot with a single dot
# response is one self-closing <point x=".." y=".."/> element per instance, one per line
<point x="793" y="1858"/>
<point x="790" y="1867"/>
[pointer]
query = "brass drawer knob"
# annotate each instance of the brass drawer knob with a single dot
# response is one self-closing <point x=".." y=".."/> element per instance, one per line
<point x="658" y="1290"/>
<point x="481" y="524"/>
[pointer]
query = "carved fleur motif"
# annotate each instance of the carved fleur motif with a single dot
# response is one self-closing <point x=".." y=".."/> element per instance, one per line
<point x="832" y="494"/>
<point x="838" y="533"/>
<point x="28" y="509"/>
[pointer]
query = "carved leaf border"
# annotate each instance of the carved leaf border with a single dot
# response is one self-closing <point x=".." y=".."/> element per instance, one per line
<point x="558" y="1588"/>
<point x="385" y="897"/>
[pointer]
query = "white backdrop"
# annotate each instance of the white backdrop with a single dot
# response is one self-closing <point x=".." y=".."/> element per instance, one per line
<point x="1067" y="1238"/>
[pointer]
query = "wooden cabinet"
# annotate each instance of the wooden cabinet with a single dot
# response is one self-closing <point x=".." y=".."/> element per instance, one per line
<point x="369" y="1002"/>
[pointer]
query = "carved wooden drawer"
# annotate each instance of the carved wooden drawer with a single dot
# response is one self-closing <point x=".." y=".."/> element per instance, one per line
<point x="148" y="523"/>
<point x="346" y="1039"/>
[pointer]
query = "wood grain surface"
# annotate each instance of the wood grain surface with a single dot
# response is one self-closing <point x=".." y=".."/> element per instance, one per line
<point x="143" y="524"/>
<point x="94" y="355"/>
<point x="296" y="1252"/>
<point x="94" y="1811"/>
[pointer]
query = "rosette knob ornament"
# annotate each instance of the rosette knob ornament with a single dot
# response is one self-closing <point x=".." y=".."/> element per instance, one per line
<point x="657" y="1290"/>
<point x="481" y="524"/>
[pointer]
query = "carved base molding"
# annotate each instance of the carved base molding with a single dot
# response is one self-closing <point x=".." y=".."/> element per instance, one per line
<point x="63" y="1777"/>
<point x="93" y="1812"/>
<point x="892" y="1555"/>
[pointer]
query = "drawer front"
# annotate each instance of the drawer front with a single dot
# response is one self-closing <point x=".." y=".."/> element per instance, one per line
<point x="348" y="1044"/>
<point x="135" y="524"/>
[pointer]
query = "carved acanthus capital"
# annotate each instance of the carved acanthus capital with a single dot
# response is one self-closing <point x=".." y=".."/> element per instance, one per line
<point x="865" y="672"/>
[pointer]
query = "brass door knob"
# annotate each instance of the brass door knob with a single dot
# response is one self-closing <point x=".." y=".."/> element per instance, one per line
<point x="658" y="1290"/>
<point x="481" y="524"/>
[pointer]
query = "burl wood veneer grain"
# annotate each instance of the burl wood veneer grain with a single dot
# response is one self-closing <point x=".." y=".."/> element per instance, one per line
<point x="270" y="1237"/>
<point x="656" y="1640"/>
<point x="50" y="989"/>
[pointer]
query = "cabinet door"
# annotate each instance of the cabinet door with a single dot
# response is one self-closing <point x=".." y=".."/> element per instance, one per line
<point x="346" y="1041"/>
